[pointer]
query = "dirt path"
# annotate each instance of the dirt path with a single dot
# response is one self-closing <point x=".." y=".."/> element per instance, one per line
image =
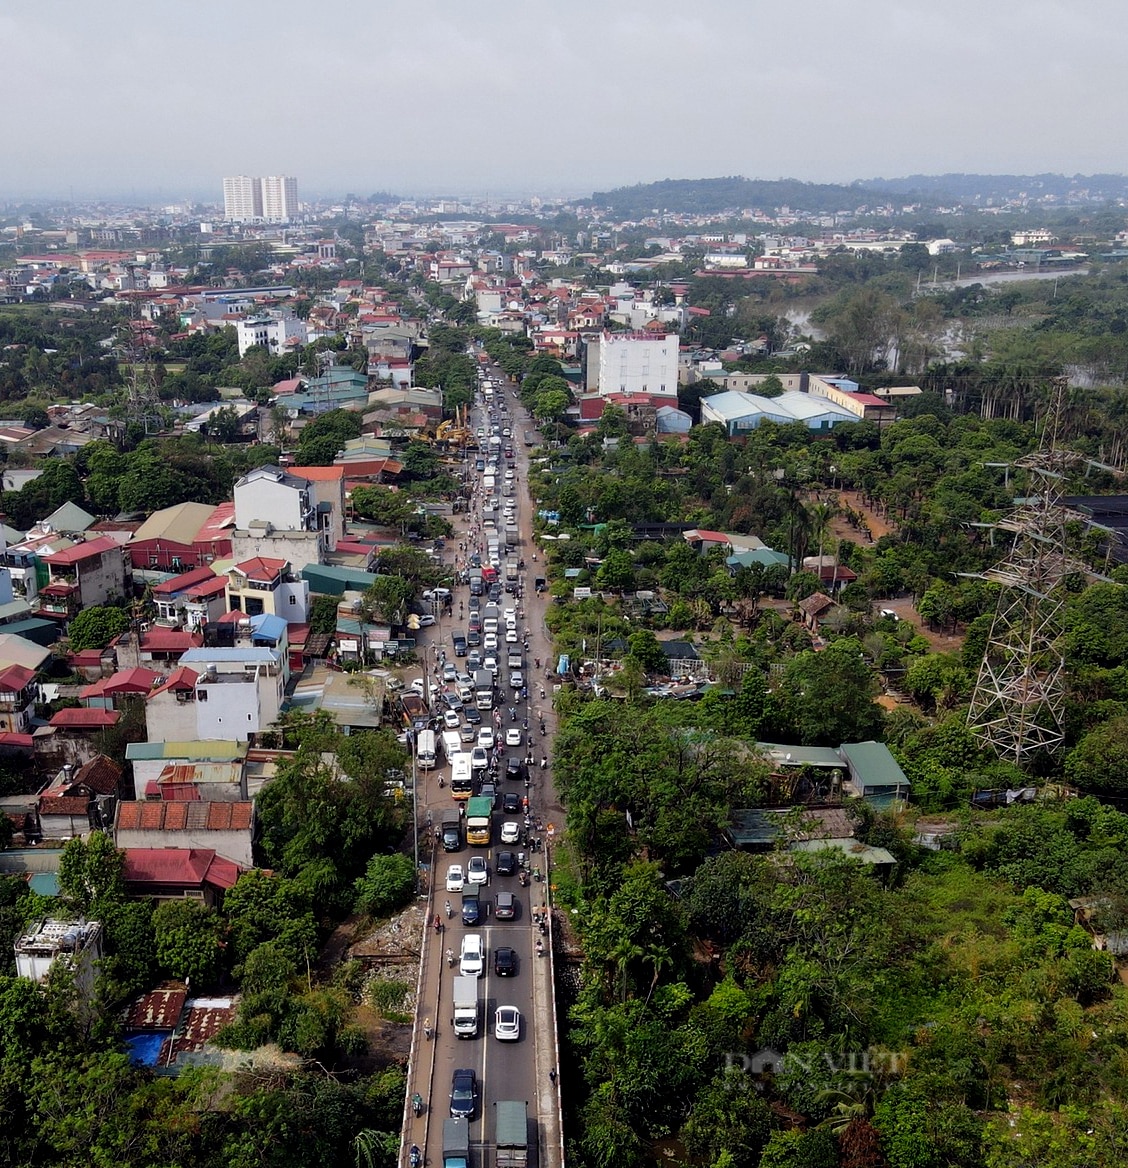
<point x="878" y="526"/>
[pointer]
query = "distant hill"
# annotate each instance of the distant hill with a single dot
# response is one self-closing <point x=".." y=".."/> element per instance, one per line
<point x="707" y="196"/>
<point x="972" y="188"/>
<point x="710" y="196"/>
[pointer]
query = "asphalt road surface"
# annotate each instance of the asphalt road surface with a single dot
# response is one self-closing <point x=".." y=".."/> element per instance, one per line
<point x="526" y="1069"/>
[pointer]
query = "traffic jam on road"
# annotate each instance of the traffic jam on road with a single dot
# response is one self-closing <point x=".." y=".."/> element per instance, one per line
<point x="488" y="751"/>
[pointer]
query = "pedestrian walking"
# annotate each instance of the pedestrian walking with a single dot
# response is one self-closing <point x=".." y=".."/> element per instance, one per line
<point x="552" y="1076"/>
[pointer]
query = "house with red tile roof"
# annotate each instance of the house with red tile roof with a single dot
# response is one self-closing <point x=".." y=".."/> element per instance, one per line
<point x="266" y="585"/>
<point x="227" y="828"/>
<point x="87" y="574"/>
<point x="182" y="537"/>
<point x="191" y="599"/>
<point x="116" y="691"/>
<point x="175" y="873"/>
<point x="75" y="800"/>
<point x="158" y="646"/>
<point x="73" y="736"/>
<point x="18" y="693"/>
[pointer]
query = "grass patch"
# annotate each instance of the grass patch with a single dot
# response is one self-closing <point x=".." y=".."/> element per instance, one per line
<point x="388" y="997"/>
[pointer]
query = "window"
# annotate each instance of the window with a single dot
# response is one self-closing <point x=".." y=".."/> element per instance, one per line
<point x="201" y="695"/>
<point x="293" y="599"/>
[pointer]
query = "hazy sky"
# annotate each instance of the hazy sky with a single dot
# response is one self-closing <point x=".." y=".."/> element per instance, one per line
<point x="518" y="96"/>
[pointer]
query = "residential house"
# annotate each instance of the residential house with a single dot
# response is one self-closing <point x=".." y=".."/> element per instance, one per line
<point x="832" y="575"/>
<point x="326" y="486"/>
<point x="242" y="687"/>
<point x="183" y="537"/>
<point x="278" y="516"/>
<point x="191" y="599"/>
<point x="156" y="645"/>
<point x="170" y="709"/>
<point x="873" y="773"/>
<point x="228" y="828"/>
<point x="267" y="586"/>
<point x="78" y="799"/>
<point x="83" y="576"/>
<point x="73" y="735"/>
<point x="18" y="694"/>
<point x="814" y="608"/>
<point x="182" y="873"/>
<point x="149" y="759"/>
<point x="119" y="689"/>
<point x="75" y="945"/>
<point x="189" y="782"/>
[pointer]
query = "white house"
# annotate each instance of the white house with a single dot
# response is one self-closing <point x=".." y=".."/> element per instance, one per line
<point x="277" y="334"/>
<point x="638" y="362"/>
<point x="288" y="502"/>
<point x="75" y="944"/>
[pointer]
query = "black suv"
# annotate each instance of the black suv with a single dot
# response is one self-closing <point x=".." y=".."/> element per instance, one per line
<point x="515" y="769"/>
<point x="510" y="802"/>
<point x="505" y="864"/>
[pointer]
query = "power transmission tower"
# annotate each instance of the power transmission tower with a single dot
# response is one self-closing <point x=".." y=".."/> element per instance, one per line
<point x="142" y="399"/>
<point x="1018" y="706"/>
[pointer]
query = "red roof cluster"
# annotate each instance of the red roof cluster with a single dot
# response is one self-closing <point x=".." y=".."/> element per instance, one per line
<point x="194" y="816"/>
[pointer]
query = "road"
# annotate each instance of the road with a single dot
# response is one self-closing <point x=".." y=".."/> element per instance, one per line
<point x="526" y="1069"/>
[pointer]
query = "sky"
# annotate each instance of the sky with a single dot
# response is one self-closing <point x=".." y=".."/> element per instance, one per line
<point x="156" y="100"/>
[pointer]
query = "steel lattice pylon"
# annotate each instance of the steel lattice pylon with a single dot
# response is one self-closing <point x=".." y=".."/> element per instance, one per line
<point x="1018" y="705"/>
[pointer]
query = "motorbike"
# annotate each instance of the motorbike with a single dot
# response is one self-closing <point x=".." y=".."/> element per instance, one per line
<point x="450" y="957"/>
<point x="415" y="1157"/>
<point x="523" y="877"/>
<point x="417" y="1104"/>
<point x="449" y="909"/>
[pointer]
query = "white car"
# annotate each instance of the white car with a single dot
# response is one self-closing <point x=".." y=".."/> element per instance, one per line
<point x="507" y="1024"/>
<point x="454" y="878"/>
<point x="489" y="642"/>
<point x="511" y="636"/>
<point x="476" y="871"/>
<point x="472" y="957"/>
<point x="510" y="832"/>
<point x="513" y="736"/>
<point x="451" y="720"/>
<point x="486" y="738"/>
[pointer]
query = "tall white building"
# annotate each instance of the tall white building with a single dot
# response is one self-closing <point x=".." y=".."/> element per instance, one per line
<point x="279" y="198"/>
<point x="242" y="198"/>
<point x="638" y="362"/>
<point x="274" y="198"/>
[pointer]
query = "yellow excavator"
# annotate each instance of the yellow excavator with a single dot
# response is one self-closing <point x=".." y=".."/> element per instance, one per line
<point x="454" y="431"/>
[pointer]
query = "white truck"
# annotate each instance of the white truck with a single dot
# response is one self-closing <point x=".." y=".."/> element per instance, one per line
<point x="465" y="998"/>
<point x="452" y="744"/>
